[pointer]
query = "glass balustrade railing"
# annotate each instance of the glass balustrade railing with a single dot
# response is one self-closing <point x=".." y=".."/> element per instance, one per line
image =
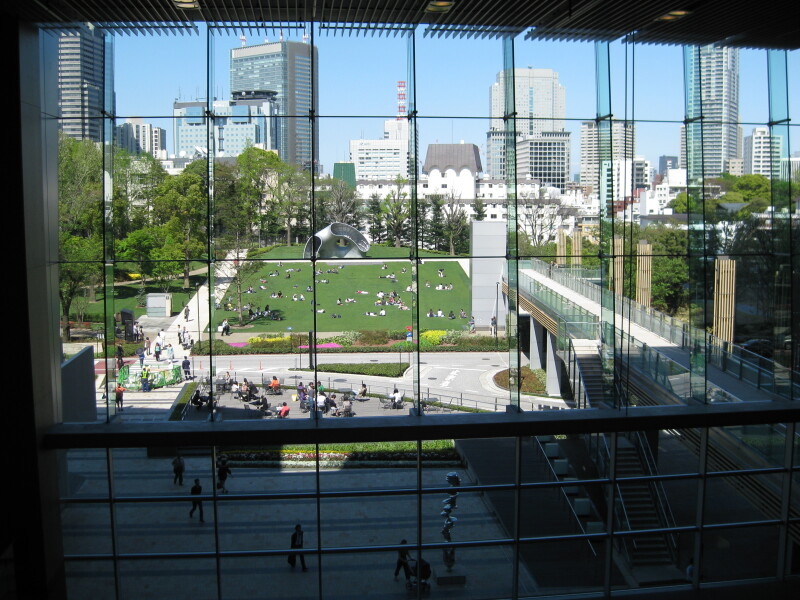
<point x="748" y="367"/>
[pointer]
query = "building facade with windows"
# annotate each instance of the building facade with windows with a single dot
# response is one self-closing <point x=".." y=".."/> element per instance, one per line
<point x="289" y="69"/>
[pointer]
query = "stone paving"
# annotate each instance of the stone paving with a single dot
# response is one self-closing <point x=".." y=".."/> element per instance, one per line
<point x="255" y="523"/>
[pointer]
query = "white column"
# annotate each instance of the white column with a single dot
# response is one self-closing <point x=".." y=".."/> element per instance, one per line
<point x="537" y="344"/>
<point x="553" y="386"/>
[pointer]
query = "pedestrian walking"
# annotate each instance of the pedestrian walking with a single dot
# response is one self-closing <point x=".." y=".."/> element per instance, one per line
<point x="187" y="368"/>
<point x="140" y="353"/>
<point x="186" y="313"/>
<point x="402" y="563"/>
<point x="178" y="467"/>
<point x="118" y="393"/>
<point x="147" y="346"/>
<point x="196" y="490"/>
<point x="223" y="471"/>
<point x="297" y="542"/>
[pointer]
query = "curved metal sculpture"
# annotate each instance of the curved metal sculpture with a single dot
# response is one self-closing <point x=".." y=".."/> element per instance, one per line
<point x="337" y="240"/>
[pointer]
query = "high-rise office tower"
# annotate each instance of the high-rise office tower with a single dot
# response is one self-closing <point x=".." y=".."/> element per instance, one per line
<point x="540" y="104"/>
<point x="286" y="69"/>
<point x="81" y="58"/>
<point x="593" y="152"/>
<point x="717" y="100"/>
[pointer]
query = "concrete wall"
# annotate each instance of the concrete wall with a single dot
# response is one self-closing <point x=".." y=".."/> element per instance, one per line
<point x="487" y="239"/>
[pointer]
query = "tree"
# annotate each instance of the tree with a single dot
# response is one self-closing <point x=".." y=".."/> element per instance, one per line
<point x="338" y="203"/>
<point x="136" y="181"/>
<point x="138" y="248"/>
<point x="182" y="206"/>
<point x="395" y="211"/>
<point x="167" y="264"/>
<point x="288" y="197"/>
<point x="374" y="218"/>
<point x="80" y="216"/>
<point x="80" y="186"/>
<point x="479" y="210"/>
<point x="238" y="215"/>
<point x="454" y="224"/>
<point x="257" y="177"/>
<point x="670" y="269"/>
<point x="79" y="263"/>
<point x="540" y="217"/>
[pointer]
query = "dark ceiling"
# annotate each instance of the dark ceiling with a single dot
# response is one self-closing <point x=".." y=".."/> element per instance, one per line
<point x="729" y="22"/>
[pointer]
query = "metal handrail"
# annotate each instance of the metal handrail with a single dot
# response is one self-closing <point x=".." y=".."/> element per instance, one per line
<point x="564" y="497"/>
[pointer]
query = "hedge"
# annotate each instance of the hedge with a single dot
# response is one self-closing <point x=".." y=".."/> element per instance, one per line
<point x="376" y="369"/>
<point x="485" y="344"/>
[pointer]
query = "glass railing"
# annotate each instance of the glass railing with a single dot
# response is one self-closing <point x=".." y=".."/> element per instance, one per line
<point x="750" y="368"/>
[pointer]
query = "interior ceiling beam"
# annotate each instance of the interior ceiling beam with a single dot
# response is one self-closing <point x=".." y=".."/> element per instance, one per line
<point x="734" y="22"/>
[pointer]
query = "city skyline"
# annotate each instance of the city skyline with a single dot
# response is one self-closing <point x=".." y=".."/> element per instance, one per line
<point x="472" y="68"/>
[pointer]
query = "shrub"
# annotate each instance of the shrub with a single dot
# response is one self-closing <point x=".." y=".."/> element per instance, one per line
<point x="267" y="341"/>
<point x="376" y="369"/>
<point x="533" y="382"/>
<point x="433" y="336"/>
<point x="374" y="337"/>
<point x="454" y="336"/>
<point x="346" y="338"/>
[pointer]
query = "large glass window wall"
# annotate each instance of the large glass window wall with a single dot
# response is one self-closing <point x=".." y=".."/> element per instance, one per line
<point x="425" y="228"/>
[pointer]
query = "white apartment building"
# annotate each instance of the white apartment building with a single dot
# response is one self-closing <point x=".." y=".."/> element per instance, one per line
<point x="138" y="137"/>
<point x="762" y="153"/>
<point x="385" y="158"/>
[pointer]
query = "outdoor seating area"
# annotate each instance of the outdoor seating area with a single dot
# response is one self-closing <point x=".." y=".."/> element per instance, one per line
<point x="231" y="404"/>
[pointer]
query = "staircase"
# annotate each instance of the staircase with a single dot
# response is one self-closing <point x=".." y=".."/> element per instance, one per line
<point x="591" y="367"/>
<point x="641" y="509"/>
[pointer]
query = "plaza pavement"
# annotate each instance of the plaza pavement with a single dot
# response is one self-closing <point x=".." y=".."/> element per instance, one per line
<point x="254" y="524"/>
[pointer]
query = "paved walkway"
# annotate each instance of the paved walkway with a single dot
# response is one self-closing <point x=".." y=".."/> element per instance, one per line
<point x="246" y="520"/>
<point x="737" y="388"/>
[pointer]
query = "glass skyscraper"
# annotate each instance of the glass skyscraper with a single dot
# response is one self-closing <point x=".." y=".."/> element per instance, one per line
<point x="289" y="70"/>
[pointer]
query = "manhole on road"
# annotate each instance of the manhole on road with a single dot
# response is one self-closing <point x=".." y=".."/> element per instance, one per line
<point x="433" y="378"/>
<point x="339" y="380"/>
<point x="494" y="365"/>
<point x="486" y="359"/>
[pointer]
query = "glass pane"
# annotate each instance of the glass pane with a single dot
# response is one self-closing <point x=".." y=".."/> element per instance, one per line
<point x="150" y="579"/>
<point x="727" y="555"/>
<point x="546" y="562"/>
<point x="90" y="579"/>
<point x="86" y="529"/>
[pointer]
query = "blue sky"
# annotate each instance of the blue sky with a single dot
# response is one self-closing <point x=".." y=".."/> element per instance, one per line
<point x="358" y="78"/>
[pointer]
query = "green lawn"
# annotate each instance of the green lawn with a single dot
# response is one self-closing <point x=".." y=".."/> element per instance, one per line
<point x="299" y="315"/>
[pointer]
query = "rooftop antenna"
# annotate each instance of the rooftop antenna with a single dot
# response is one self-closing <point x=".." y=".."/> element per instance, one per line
<point x="401" y="100"/>
<point x="243" y="40"/>
<point x="305" y="35"/>
<point x="280" y="39"/>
